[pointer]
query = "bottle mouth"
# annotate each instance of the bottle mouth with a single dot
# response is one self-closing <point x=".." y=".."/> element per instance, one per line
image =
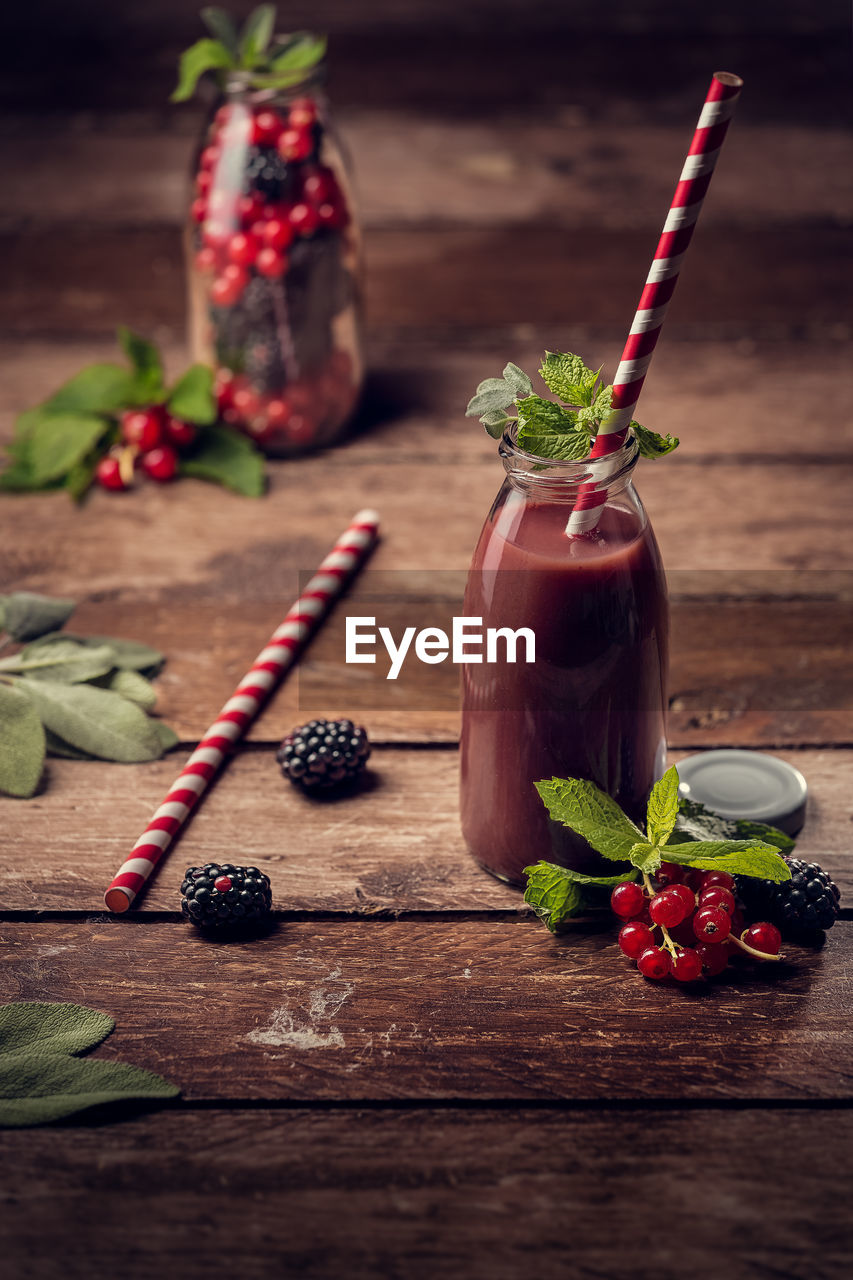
<point x="607" y="473"/>
<point x="243" y="82"/>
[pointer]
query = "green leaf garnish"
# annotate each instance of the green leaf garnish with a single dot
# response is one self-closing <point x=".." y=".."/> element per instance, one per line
<point x="580" y="805"/>
<point x="651" y="444"/>
<point x="568" y="377"/>
<point x="662" y="808"/>
<point x="221" y="26"/>
<point x="557" y="893"/>
<point x="265" y="63"/>
<point x="204" y="55"/>
<point x="256" y="34"/>
<point x="695" y="822"/>
<point x="228" y="459"/>
<point x="147" y="366"/>
<point x="192" y="397"/>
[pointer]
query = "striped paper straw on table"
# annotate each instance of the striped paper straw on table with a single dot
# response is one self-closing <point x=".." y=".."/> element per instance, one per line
<point x="660" y="284"/>
<point x="281" y="652"/>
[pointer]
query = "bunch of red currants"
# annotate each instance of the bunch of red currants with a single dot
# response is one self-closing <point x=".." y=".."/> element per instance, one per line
<point x="700" y="923"/>
<point x="151" y="442"/>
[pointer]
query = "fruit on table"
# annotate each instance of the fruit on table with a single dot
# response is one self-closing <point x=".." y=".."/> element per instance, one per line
<point x="222" y="896"/>
<point x="323" y="753"/>
<point x="801" y="906"/>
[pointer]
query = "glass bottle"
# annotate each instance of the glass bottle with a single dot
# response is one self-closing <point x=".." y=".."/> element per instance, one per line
<point x="274" y="266"/>
<point x="592" y="705"/>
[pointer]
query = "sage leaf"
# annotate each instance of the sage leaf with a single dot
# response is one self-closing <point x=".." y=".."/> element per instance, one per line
<point x="165" y="735"/>
<point x="492" y="393"/>
<point x="518" y="380"/>
<point x="256" y="34"/>
<point x="134" y="687"/>
<point x="584" y="808"/>
<point x="57" y="746"/>
<point x="22" y="744"/>
<point x="66" y="661"/>
<point x="26" y="615"/>
<point x="224" y="457"/>
<point x="129" y="655"/>
<point x="96" y="720"/>
<point x="204" y="55"/>
<point x="192" y="396"/>
<point x="663" y="807"/>
<point x="53" y="1028"/>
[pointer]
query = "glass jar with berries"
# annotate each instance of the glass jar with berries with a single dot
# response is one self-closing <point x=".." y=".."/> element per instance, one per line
<point x="274" y="259"/>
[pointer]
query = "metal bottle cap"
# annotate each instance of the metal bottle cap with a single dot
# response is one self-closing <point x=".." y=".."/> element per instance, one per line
<point x="746" y="784"/>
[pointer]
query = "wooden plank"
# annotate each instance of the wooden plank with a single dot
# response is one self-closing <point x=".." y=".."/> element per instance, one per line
<point x="768" y="282"/>
<point x="475" y="1009"/>
<point x="554" y="169"/>
<point x="468" y="1194"/>
<point x="721" y="398"/>
<point x="394" y="846"/>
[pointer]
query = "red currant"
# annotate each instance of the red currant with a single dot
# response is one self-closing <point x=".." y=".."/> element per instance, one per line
<point x="223" y="115"/>
<point x="295" y="144"/>
<point x="277" y="233"/>
<point x="686" y="966"/>
<point x="635" y="938"/>
<point x="685" y="895"/>
<point x="209" y="158"/>
<point x="668" y="909"/>
<point x="250" y="208"/>
<point x="203" y="182"/>
<point x="226" y="289"/>
<point x="653" y="963"/>
<point x="243" y="249"/>
<point x="198" y="209"/>
<point x="222" y="884"/>
<point x="301" y="428"/>
<point x="160" y="464"/>
<point x="278" y="413"/>
<point x="271" y="263"/>
<point x="711" y="924"/>
<point x="320" y="185"/>
<point x="714" y="956"/>
<point x="224" y="388"/>
<point x="764" y="937"/>
<point x="266" y="129"/>
<point x="332" y="215"/>
<point x="142" y="427"/>
<point x="247" y="403"/>
<point x="721" y="878"/>
<point x="179" y="433"/>
<point x="303" y="113"/>
<point x="108" y="474"/>
<point x="303" y="218"/>
<point x="627" y="900"/>
<point x="205" y="259"/>
<point x="718" y="896"/>
<point x="669" y="873"/>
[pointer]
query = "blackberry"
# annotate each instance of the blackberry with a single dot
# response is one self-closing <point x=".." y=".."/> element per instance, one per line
<point x="264" y="362"/>
<point x="221" y="897"/>
<point x="267" y="172"/>
<point x="323" y="753"/>
<point x="799" y="906"/>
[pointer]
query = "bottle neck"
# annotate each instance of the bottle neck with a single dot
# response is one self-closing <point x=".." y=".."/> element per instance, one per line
<point x="556" y="480"/>
<point x="241" y="86"/>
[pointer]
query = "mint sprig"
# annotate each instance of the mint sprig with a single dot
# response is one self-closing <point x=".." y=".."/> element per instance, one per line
<point x="548" y="429"/>
<point x="557" y="893"/>
<point x="267" y="63"/>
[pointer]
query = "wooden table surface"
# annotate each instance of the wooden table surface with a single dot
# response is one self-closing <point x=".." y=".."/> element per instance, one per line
<point x="409" y="1076"/>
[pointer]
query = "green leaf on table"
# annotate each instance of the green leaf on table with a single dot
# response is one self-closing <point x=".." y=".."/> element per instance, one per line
<point x="695" y="822"/>
<point x="192" y="398"/>
<point x="57" y="746"/>
<point x="97" y="389"/>
<point x="41" y="1079"/>
<point x="651" y="444"/>
<point x="662" y="809"/>
<point x="568" y="377"/>
<point x="81" y="477"/>
<point x="24" y="615"/>
<point x="256" y="35"/>
<point x="204" y="55"/>
<point x="557" y="893"/>
<point x="129" y="655"/>
<point x="22" y="744"/>
<point x="147" y="366"/>
<point x="96" y="720"/>
<point x="134" y="687"/>
<point x="303" y="51"/>
<point x="738" y="857"/>
<point x="221" y="26"/>
<point x="584" y="808"/>
<point x="56" y="442"/>
<point x="166" y="735"/>
<point x="66" y="661"/>
<point x="225" y="457"/>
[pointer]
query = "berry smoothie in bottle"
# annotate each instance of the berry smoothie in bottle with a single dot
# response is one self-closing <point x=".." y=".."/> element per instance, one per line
<point x="592" y="705"/>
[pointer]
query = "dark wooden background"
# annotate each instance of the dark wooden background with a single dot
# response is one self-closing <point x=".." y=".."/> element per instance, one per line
<point x="409" y="1076"/>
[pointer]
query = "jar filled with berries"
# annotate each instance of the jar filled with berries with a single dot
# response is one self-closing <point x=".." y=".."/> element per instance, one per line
<point x="274" y="264"/>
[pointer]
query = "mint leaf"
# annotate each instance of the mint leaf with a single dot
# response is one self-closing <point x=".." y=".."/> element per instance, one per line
<point x="738" y="857"/>
<point x="544" y="415"/>
<point x="300" y="53"/>
<point x="492" y="393"/>
<point x="96" y="720"/>
<point x="651" y="444"/>
<point x="568" y="446"/>
<point x="256" y="34"/>
<point x="518" y="380"/>
<point x="97" y="389"/>
<point x="568" y="377"/>
<point x="192" y="398"/>
<point x="22" y="744"/>
<point x="147" y="366"/>
<point x="221" y="27"/>
<point x="56" y="442"/>
<point x="646" y="857"/>
<point x="695" y="822"/>
<point x="662" y="809"/>
<point x="584" y="808"/>
<point x="556" y="893"/>
<point x="204" y="55"/>
<point x="224" y="457"/>
<point x="80" y="478"/>
<point x="26" y="615"/>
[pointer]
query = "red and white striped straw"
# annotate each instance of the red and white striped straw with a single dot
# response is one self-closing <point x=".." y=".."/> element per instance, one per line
<point x="279" y="655"/>
<point x="684" y="210"/>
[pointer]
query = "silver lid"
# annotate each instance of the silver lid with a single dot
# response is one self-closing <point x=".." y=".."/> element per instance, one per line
<point x="746" y="784"/>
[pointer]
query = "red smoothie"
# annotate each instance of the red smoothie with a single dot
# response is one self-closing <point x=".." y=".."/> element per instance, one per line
<point x="593" y="703"/>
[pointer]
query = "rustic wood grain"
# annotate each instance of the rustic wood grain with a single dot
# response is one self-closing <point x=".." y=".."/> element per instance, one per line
<point x="477" y="1009"/>
<point x="471" y="1195"/>
<point x="394" y="846"/>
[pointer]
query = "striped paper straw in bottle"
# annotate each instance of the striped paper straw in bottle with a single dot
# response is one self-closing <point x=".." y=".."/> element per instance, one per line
<point x="279" y="655"/>
<point x="684" y="210"/>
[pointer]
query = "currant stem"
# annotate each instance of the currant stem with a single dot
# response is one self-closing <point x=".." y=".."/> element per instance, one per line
<point x="751" y="951"/>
